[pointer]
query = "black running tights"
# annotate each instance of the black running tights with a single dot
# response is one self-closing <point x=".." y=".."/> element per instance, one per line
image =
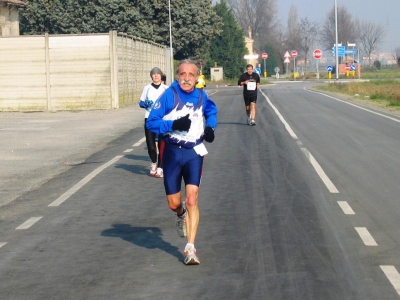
<point x="151" y="145"/>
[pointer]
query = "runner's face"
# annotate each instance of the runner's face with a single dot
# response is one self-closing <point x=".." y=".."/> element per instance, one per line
<point x="156" y="78"/>
<point x="187" y="76"/>
<point x="249" y="70"/>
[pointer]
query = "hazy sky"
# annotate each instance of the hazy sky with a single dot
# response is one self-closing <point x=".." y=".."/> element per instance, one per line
<point x="385" y="12"/>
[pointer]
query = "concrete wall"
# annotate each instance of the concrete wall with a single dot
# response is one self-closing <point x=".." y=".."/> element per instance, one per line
<point x="75" y="72"/>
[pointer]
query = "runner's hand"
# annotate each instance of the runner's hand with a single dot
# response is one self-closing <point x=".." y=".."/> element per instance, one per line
<point x="182" y="124"/>
<point x="209" y="134"/>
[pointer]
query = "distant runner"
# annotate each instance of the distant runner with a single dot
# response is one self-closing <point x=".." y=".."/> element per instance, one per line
<point x="250" y="82"/>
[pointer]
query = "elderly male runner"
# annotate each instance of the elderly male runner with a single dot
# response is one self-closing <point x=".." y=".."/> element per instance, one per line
<point x="179" y="116"/>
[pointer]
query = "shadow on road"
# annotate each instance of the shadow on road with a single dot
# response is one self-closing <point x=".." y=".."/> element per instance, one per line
<point x="136" y="169"/>
<point x="146" y="237"/>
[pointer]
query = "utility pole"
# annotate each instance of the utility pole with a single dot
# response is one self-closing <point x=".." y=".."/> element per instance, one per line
<point x="336" y="42"/>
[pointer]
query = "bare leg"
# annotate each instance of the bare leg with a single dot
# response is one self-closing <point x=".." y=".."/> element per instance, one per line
<point x="248" y="111"/>
<point x="175" y="203"/>
<point x="253" y="110"/>
<point x="193" y="214"/>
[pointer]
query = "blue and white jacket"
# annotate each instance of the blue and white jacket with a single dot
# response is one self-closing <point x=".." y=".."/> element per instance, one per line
<point x="176" y="103"/>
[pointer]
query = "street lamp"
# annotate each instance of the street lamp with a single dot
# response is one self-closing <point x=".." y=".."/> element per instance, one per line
<point x="171" y="72"/>
<point x="336" y="43"/>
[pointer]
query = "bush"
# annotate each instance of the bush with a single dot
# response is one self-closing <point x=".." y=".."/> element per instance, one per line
<point x="378" y="65"/>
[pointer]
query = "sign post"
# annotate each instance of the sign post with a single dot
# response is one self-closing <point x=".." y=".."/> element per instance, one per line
<point x="347" y="67"/>
<point x="329" y="69"/>
<point x="276" y="72"/>
<point x="317" y="54"/>
<point x="264" y="57"/>
<point x="287" y="61"/>
<point x="294" y="55"/>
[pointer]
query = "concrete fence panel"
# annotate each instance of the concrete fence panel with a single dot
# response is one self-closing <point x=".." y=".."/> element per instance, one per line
<point x="75" y="72"/>
<point x="23" y="73"/>
<point x="79" y="72"/>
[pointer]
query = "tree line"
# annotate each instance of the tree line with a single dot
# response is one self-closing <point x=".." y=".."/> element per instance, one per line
<point x="201" y="30"/>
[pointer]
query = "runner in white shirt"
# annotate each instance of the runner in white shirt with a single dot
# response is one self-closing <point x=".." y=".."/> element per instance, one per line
<point x="150" y="94"/>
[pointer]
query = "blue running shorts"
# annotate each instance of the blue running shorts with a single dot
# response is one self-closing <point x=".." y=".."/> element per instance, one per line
<point x="178" y="163"/>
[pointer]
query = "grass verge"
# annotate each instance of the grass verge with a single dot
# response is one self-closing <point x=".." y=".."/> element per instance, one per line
<point x="382" y="93"/>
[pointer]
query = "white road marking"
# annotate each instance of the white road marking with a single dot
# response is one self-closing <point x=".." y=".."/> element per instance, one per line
<point x="366" y="236"/>
<point x="393" y="276"/>
<point x="139" y="142"/>
<point x="28" y="223"/>
<point x="346" y="208"/>
<point x="128" y="150"/>
<point x="287" y="126"/>
<point x="348" y="103"/>
<point x="24" y="129"/>
<point x="81" y="183"/>
<point x="331" y="187"/>
<point x="2" y="244"/>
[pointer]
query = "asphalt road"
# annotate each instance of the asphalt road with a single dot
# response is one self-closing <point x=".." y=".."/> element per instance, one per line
<point x="301" y="206"/>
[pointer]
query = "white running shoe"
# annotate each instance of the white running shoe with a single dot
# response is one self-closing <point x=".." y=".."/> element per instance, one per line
<point x="248" y="121"/>
<point x="181" y="225"/>
<point x="159" y="173"/>
<point x="253" y="122"/>
<point x="153" y="169"/>
<point x="191" y="256"/>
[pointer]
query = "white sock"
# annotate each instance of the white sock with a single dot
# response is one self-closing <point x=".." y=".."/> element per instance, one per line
<point x="188" y="246"/>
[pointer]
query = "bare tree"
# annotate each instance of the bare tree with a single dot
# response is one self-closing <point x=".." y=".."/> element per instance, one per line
<point x="293" y="30"/>
<point x="259" y="15"/>
<point x="370" y="35"/>
<point x="308" y="37"/>
<point x="346" y="28"/>
<point x="278" y="42"/>
<point x="397" y="55"/>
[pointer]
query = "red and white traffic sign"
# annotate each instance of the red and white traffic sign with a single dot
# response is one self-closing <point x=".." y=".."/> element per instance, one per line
<point x="287" y="55"/>
<point x="287" y="60"/>
<point x="264" y="55"/>
<point x="347" y="67"/>
<point x="294" y="53"/>
<point x="317" y="54"/>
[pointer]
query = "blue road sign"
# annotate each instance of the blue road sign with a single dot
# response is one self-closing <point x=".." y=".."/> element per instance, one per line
<point x="258" y="71"/>
<point x="353" y="67"/>
<point x="350" y="51"/>
<point x="341" y="51"/>
<point x="329" y="68"/>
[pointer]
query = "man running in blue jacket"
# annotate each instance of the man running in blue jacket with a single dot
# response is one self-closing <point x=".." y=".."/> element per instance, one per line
<point x="179" y="116"/>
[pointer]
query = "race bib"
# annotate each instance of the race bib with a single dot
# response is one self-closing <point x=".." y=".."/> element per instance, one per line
<point x="251" y="86"/>
<point x="200" y="149"/>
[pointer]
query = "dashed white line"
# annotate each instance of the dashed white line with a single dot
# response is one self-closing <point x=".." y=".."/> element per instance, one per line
<point x="139" y="142"/>
<point x="331" y="187"/>
<point x="2" y="244"/>
<point x="28" y="223"/>
<point x="393" y="276"/>
<point x="81" y="183"/>
<point x="128" y="150"/>
<point x="346" y="208"/>
<point x="366" y="237"/>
